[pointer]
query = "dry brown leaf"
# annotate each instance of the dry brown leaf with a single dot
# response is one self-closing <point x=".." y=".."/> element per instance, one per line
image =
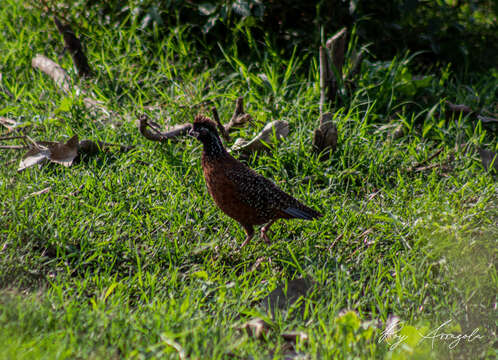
<point x="278" y="127"/>
<point x="60" y="153"/>
<point x="64" y="153"/>
<point x="34" y="156"/>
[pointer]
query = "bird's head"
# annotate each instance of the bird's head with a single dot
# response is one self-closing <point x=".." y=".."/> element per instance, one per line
<point x="204" y="130"/>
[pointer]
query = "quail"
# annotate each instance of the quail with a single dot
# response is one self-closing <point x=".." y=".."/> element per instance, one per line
<point x="239" y="191"/>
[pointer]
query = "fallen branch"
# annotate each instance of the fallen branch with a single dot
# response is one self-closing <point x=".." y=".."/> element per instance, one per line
<point x="420" y="166"/>
<point x="11" y="137"/>
<point x="459" y="108"/>
<point x="55" y="71"/>
<point x="221" y="128"/>
<point x="264" y="140"/>
<point x="62" y="79"/>
<point x="487" y="119"/>
<point x="239" y="117"/>
<point x="150" y="130"/>
<point x="14" y="147"/>
<point x="73" y="45"/>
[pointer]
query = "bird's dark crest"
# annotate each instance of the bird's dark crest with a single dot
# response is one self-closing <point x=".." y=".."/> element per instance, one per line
<point x="205" y="121"/>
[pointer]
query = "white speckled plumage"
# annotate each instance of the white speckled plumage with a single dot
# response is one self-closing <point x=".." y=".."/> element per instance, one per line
<point x="239" y="191"/>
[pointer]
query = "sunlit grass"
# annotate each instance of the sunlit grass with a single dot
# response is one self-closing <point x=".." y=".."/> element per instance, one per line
<point x="126" y="255"/>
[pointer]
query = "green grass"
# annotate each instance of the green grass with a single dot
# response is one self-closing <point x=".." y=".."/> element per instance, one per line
<point x="126" y="255"/>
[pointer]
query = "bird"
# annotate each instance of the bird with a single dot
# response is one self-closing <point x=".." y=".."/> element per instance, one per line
<point x="240" y="192"/>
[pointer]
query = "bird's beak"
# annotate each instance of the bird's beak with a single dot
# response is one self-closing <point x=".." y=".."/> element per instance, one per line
<point x="193" y="133"/>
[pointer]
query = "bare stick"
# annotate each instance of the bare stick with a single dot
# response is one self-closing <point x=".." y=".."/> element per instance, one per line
<point x="323" y="79"/>
<point x="239" y="107"/>
<point x="239" y="117"/>
<point x="335" y="46"/>
<point x="223" y="130"/>
<point x="418" y="166"/>
<point x="11" y="137"/>
<point x="150" y="132"/>
<point x="358" y="58"/>
<point x="74" y="47"/>
<point x="14" y="147"/>
<point x="62" y="79"/>
<point x="54" y="70"/>
<point x="459" y="108"/>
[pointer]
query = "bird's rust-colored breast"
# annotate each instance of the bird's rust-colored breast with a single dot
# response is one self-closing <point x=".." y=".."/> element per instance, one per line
<point x="226" y="194"/>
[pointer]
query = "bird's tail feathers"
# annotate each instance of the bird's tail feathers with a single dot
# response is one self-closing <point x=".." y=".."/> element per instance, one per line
<point x="308" y="214"/>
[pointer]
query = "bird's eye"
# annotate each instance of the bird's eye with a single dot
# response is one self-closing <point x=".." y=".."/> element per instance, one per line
<point x="203" y="131"/>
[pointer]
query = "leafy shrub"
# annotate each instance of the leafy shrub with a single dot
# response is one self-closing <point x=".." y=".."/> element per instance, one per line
<point x="460" y="32"/>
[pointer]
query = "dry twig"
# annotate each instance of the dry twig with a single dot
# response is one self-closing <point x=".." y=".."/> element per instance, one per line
<point x="74" y="47"/>
<point x="150" y="130"/>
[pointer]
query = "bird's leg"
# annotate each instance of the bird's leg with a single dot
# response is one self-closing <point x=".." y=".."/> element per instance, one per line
<point x="264" y="229"/>
<point x="250" y="233"/>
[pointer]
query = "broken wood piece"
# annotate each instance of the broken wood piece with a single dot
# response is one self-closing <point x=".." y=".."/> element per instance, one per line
<point x="54" y="70"/>
<point x="13" y="147"/>
<point x="239" y="117"/>
<point x="325" y="137"/>
<point x="73" y="45"/>
<point x="221" y="128"/>
<point x="459" y="108"/>
<point x="62" y="79"/>
<point x="420" y="166"/>
<point x="264" y="139"/>
<point x="151" y="132"/>
<point x="336" y="48"/>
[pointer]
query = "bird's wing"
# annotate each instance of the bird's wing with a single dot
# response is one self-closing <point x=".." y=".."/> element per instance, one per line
<point x="261" y="193"/>
<point x="255" y="190"/>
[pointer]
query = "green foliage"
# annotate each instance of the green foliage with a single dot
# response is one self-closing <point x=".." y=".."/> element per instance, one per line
<point x="462" y="33"/>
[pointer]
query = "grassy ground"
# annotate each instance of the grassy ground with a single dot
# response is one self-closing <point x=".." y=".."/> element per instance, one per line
<point x="126" y="256"/>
